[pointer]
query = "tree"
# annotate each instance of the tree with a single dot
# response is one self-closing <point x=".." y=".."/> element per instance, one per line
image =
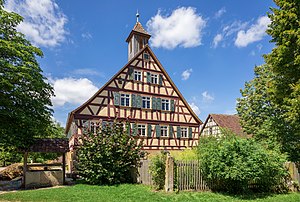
<point x="232" y="163"/>
<point x="269" y="107"/>
<point x="24" y="93"/>
<point x="108" y="156"/>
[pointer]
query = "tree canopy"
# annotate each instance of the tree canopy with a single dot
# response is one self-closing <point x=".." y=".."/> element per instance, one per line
<point x="25" y="95"/>
<point x="270" y="103"/>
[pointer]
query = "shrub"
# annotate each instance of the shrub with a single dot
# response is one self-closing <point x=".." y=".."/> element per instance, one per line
<point x="234" y="164"/>
<point x="158" y="170"/>
<point x="108" y="156"/>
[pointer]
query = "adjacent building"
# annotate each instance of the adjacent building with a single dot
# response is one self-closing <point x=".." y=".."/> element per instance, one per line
<point x="214" y="123"/>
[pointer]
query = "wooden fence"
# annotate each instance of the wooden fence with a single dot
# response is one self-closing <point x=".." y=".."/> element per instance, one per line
<point x="189" y="177"/>
<point x="144" y="174"/>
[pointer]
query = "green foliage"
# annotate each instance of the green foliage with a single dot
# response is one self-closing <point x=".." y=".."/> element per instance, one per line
<point x="158" y="170"/>
<point x="231" y="163"/>
<point x="108" y="156"/>
<point x="186" y="154"/>
<point x="9" y="155"/>
<point x="25" y="95"/>
<point x="269" y="108"/>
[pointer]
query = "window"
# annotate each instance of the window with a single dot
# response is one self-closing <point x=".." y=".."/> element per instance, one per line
<point x="210" y="131"/>
<point x="125" y="98"/>
<point x="164" y="131"/>
<point x="184" y="132"/>
<point x="142" y="130"/>
<point x="146" y="102"/>
<point x="154" y="78"/>
<point x="165" y="104"/>
<point x="137" y="75"/>
<point x="146" y="56"/>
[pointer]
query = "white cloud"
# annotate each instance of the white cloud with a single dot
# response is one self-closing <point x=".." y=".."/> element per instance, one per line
<point x="44" y="22"/>
<point x="195" y="108"/>
<point x="73" y="91"/>
<point x="207" y="97"/>
<point x="86" y="35"/>
<point x="182" y="28"/>
<point x="217" y="39"/>
<point x="186" y="74"/>
<point x="220" y="12"/>
<point x="255" y="33"/>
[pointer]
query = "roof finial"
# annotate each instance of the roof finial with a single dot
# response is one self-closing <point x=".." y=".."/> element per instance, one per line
<point x="137" y="16"/>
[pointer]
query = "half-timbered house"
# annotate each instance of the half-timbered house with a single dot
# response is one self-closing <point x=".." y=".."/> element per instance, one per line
<point x="143" y="94"/>
<point x="215" y="122"/>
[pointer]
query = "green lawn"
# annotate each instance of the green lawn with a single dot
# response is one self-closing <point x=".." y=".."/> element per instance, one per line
<point x="128" y="192"/>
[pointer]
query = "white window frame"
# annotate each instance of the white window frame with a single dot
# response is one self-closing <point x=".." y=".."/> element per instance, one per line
<point x="164" y="131"/>
<point x="184" y="132"/>
<point x="165" y="104"/>
<point x="137" y="75"/>
<point x="154" y="78"/>
<point x="125" y="100"/>
<point x="147" y="102"/>
<point x="142" y="130"/>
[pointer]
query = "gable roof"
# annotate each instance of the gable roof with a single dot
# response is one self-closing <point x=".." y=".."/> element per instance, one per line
<point x="231" y="122"/>
<point x="71" y="114"/>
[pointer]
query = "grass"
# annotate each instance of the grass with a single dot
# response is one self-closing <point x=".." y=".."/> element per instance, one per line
<point x="128" y="192"/>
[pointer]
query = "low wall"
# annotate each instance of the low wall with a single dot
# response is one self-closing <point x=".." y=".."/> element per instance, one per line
<point x="43" y="178"/>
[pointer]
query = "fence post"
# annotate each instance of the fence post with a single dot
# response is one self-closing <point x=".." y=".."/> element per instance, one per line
<point x="169" y="179"/>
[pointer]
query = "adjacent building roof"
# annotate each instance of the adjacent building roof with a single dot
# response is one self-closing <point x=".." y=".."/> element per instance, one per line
<point x="231" y="122"/>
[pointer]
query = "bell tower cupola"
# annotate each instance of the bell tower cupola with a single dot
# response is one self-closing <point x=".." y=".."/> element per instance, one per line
<point x="137" y="39"/>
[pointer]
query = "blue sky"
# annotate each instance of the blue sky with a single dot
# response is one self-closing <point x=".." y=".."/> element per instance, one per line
<point x="209" y="48"/>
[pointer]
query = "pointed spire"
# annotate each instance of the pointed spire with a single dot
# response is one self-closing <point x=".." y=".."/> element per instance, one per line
<point x="137" y="16"/>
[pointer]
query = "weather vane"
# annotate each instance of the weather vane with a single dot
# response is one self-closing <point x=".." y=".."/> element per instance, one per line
<point x="137" y="16"/>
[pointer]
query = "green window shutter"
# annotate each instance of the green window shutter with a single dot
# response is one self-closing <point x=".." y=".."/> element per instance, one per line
<point x="154" y="103"/>
<point x="134" y="129"/>
<point x="171" y="131"/>
<point x="128" y="128"/>
<point x="157" y="128"/>
<point x="172" y="105"/>
<point x="148" y="77"/>
<point x="178" y="132"/>
<point x="149" y="130"/>
<point x="190" y="132"/>
<point x="116" y="98"/>
<point x="133" y="100"/>
<point x="139" y="101"/>
<point x="130" y="72"/>
<point x="158" y="103"/>
<point x="160" y="80"/>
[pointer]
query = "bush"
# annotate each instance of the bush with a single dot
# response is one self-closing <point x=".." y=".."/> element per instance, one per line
<point x="108" y="156"/>
<point x="234" y="164"/>
<point x="158" y="170"/>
